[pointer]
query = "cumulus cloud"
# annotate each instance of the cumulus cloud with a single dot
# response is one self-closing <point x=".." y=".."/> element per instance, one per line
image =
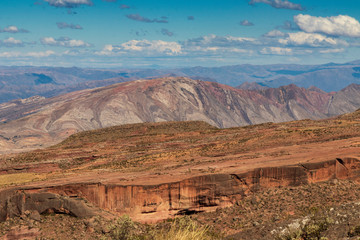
<point x="155" y="47"/>
<point x="12" y="42"/>
<point x="29" y="54"/>
<point x="341" y="25"/>
<point x="64" y="42"/>
<point x="274" y="33"/>
<point x="285" y="4"/>
<point x="276" y="51"/>
<point x="14" y="29"/>
<point x="69" y="3"/>
<point x="246" y="23"/>
<point x="203" y="46"/>
<point x="139" y="18"/>
<point x="311" y="40"/>
<point x="63" y="25"/>
<point x="166" y="32"/>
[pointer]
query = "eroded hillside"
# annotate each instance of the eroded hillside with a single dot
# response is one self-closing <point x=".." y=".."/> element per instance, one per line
<point x="41" y="123"/>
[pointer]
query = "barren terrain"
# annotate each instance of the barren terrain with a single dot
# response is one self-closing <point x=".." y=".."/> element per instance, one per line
<point x="155" y="171"/>
<point x="38" y="123"/>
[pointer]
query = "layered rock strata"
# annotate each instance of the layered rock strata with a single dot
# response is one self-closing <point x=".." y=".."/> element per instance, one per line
<point x="155" y="202"/>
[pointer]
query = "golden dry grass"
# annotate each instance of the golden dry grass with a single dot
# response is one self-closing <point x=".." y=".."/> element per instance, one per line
<point x="20" y="178"/>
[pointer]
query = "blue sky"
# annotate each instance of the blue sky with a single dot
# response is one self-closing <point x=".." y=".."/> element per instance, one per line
<point x="177" y="33"/>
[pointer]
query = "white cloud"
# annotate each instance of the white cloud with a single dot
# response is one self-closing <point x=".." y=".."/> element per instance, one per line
<point x="69" y="3"/>
<point x="336" y="50"/>
<point x="12" y="42"/>
<point x="169" y="48"/>
<point x="276" y="51"/>
<point x="143" y="47"/>
<point x="29" y="54"/>
<point x="48" y="41"/>
<point x="77" y="52"/>
<point x="275" y="33"/>
<point x="14" y="29"/>
<point x="311" y="40"/>
<point x="40" y="54"/>
<point x="11" y="29"/>
<point x="209" y="45"/>
<point x="216" y="50"/>
<point x="214" y="45"/>
<point x="76" y="43"/>
<point x="341" y="25"/>
<point x="64" y="42"/>
<point x="238" y="39"/>
<point x="219" y="41"/>
<point x="10" y="54"/>
<point x="108" y="50"/>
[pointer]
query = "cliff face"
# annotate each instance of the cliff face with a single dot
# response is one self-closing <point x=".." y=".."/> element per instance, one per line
<point x="155" y="202"/>
<point x="15" y="203"/>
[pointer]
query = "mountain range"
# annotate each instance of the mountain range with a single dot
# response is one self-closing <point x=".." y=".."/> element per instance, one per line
<point x="38" y="122"/>
<point x="25" y="82"/>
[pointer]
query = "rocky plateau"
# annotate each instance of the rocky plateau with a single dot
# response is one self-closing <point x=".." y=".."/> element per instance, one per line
<point x="156" y="171"/>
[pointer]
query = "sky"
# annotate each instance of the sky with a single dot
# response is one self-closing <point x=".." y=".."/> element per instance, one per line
<point x="177" y="33"/>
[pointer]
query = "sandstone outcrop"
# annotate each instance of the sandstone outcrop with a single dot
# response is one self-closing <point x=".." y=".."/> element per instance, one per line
<point x="14" y="203"/>
<point x="156" y="202"/>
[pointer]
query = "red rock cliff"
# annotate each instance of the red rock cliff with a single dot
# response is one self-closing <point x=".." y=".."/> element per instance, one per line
<point x="201" y="193"/>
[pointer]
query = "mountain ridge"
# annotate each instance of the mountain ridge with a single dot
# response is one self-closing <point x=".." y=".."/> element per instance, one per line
<point x="48" y="121"/>
<point x="24" y="82"/>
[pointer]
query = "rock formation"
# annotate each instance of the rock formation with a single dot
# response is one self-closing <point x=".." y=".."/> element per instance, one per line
<point x="14" y="203"/>
<point x="156" y="202"/>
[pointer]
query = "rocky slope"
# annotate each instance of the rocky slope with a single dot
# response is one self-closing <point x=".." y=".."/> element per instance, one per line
<point x="48" y="121"/>
<point x="152" y="171"/>
<point x="151" y="203"/>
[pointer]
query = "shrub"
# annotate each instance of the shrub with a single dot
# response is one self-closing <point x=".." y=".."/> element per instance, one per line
<point x="185" y="229"/>
<point x="125" y="229"/>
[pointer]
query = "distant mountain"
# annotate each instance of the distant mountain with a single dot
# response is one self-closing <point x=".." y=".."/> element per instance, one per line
<point x="328" y="77"/>
<point x="25" y="82"/>
<point x="41" y="122"/>
<point x="252" y="86"/>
